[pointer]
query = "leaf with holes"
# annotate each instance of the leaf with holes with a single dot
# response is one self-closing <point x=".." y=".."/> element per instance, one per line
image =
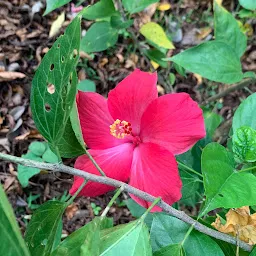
<point x="71" y="143"/>
<point x="12" y="242"/>
<point x="43" y="228"/>
<point x="225" y="187"/>
<point x="244" y="144"/>
<point x="54" y="85"/>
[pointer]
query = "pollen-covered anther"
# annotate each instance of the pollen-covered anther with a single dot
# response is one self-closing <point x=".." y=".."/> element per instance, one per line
<point x="120" y="129"/>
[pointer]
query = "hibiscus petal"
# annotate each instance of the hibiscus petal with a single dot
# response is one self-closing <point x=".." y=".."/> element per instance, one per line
<point x="131" y="97"/>
<point x="95" y="121"/>
<point x="173" y="121"/>
<point x="154" y="170"/>
<point x="115" y="163"/>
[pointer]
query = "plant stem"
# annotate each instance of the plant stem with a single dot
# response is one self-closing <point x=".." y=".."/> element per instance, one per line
<point x="94" y="163"/>
<point x="248" y="169"/>
<point x="187" y="234"/>
<point x="139" y="193"/>
<point x="240" y="85"/>
<point x="157" y="200"/>
<point x="70" y="200"/>
<point x="116" y="195"/>
<point x="189" y="169"/>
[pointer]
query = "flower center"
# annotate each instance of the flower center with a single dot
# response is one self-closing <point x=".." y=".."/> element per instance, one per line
<point x="120" y="129"/>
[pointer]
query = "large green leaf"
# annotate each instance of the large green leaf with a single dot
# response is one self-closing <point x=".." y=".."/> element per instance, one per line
<point x="248" y="4"/>
<point x="244" y="144"/>
<point x="155" y="33"/>
<point x="24" y="172"/>
<point x="225" y="187"/>
<point x="214" y="60"/>
<point x="212" y="122"/>
<point x="131" y="239"/>
<point x="245" y="114"/>
<point x="11" y="240"/>
<point x="43" y="227"/>
<point x="101" y="9"/>
<point x="138" y="5"/>
<point x="137" y="211"/>
<point x="54" y="4"/>
<point x="167" y="230"/>
<point x="170" y="250"/>
<point x="228" y="31"/>
<point x="99" y="37"/>
<point x="53" y="94"/>
<point x="71" y="143"/>
<point x="73" y="243"/>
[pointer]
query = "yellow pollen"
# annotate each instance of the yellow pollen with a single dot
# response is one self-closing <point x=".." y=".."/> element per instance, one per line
<point x="119" y="129"/>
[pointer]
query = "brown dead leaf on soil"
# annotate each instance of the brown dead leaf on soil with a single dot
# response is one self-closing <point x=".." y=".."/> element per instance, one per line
<point x="10" y="75"/>
<point x="71" y="211"/>
<point x="240" y="223"/>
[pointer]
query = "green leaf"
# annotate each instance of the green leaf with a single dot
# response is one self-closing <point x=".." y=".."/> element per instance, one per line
<point x="50" y="157"/>
<point x="103" y="8"/>
<point x="86" y="86"/>
<point x="190" y="187"/>
<point x="117" y="22"/>
<point x="245" y="114"/>
<point x="54" y="4"/>
<point x="37" y="148"/>
<point x="180" y="69"/>
<point x="167" y="230"/>
<point x="212" y="122"/>
<point x="155" y="33"/>
<point x="137" y="211"/>
<point x="24" y="172"/>
<point x="72" y="244"/>
<point x="72" y="143"/>
<point x="43" y="227"/>
<point x="225" y="187"/>
<point x="253" y="252"/>
<point x="157" y="56"/>
<point x="228" y="31"/>
<point x="170" y="250"/>
<point x="131" y="239"/>
<point x="244" y="144"/>
<point x="12" y="242"/>
<point x="213" y="60"/>
<point x="138" y="5"/>
<point x="53" y="94"/>
<point x="248" y="4"/>
<point x="99" y="37"/>
<point x="250" y="74"/>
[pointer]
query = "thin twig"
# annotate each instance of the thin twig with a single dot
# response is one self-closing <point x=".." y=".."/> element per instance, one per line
<point x="232" y="88"/>
<point x="143" y="195"/>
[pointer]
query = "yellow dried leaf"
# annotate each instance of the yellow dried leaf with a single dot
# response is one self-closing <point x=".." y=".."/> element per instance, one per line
<point x="155" y="33"/>
<point x="164" y="6"/>
<point x="239" y="224"/>
<point x="203" y="33"/>
<point x="154" y="64"/>
<point x="57" y="24"/>
<point x="219" y="2"/>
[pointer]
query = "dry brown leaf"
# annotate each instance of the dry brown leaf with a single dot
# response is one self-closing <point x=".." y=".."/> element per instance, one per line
<point x="154" y="64"/>
<point x="103" y="62"/>
<point x="56" y="25"/>
<point x="9" y="76"/>
<point x="239" y="224"/>
<point x="71" y="211"/>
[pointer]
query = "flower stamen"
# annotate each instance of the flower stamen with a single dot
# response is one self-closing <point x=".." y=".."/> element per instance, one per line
<point x="119" y="129"/>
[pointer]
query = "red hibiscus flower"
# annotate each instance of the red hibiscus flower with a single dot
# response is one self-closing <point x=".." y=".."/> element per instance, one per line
<point x="133" y="136"/>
